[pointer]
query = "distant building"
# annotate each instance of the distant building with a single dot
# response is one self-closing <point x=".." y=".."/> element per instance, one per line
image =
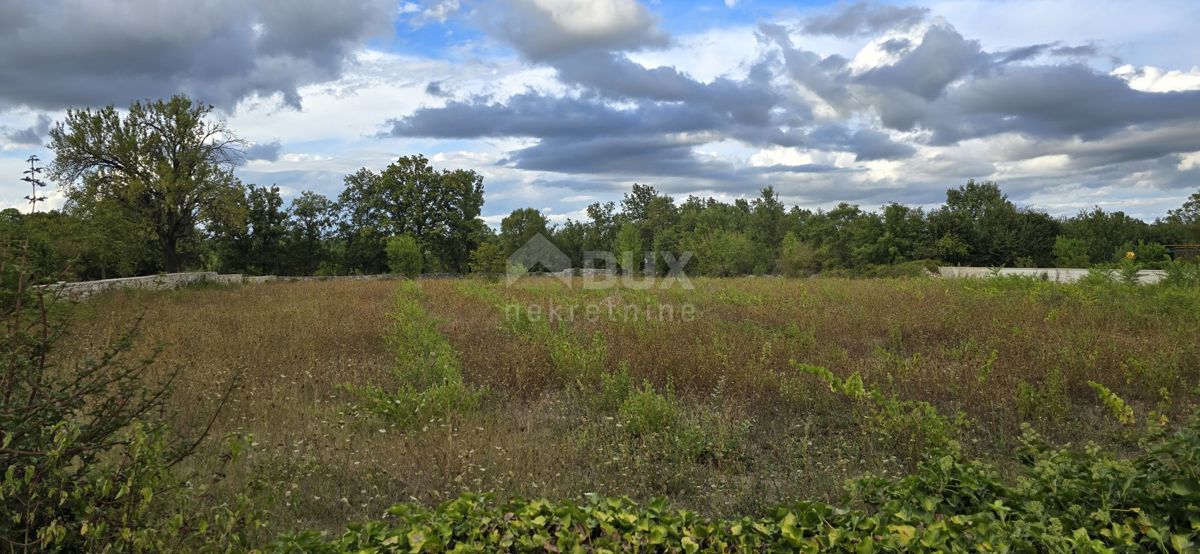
<point x="1184" y="251"/>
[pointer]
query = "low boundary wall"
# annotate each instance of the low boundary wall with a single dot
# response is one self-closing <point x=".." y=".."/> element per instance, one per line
<point x="163" y="281"/>
<point x="1058" y="275"/>
<point x="169" y="281"/>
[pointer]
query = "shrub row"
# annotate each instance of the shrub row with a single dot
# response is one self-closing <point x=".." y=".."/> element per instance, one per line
<point x="431" y="381"/>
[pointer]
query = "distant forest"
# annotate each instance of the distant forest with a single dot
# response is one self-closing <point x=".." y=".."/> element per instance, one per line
<point x="153" y="190"/>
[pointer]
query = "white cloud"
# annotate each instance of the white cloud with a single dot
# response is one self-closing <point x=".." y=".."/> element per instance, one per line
<point x="1189" y="161"/>
<point x="718" y="52"/>
<point x="440" y="10"/>
<point x="1152" y="79"/>
<point x="543" y="29"/>
<point x="592" y="18"/>
<point x="379" y="85"/>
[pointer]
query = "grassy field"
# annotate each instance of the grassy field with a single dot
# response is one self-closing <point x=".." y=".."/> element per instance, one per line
<point x="361" y="394"/>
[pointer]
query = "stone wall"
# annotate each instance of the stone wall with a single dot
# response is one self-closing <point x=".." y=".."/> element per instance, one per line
<point x="169" y="281"/>
<point x="1058" y="275"/>
<point x="164" y="281"/>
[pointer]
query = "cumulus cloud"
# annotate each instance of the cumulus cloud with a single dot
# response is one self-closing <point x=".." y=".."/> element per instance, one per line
<point x="1081" y="103"/>
<point x="919" y="106"/>
<point x="861" y="101"/>
<point x="547" y="29"/>
<point x="62" y="53"/>
<point x="864" y="18"/>
<point x="1153" y="79"/>
<point x="942" y="57"/>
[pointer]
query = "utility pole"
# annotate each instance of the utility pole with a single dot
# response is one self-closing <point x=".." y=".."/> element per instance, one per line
<point x="31" y="177"/>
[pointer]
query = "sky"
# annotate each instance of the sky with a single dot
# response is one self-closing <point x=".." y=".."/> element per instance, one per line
<point x="1067" y="104"/>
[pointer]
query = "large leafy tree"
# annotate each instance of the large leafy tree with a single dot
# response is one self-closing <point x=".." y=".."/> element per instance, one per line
<point x="995" y="231"/>
<point x="519" y="226"/>
<point x="1187" y="217"/>
<point x="440" y="209"/>
<point x="310" y="230"/>
<point x="168" y="164"/>
<point x="256" y="244"/>
<point x="602" y="226"/>
<point x="769" y="219"/>
<point x="1104" y="232"/>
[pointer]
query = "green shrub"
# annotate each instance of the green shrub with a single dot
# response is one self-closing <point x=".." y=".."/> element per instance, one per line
<point x="797" y="258"/>
<point x="575" y="360"/>
<point x="615" y="387"/>
<point x="1044" y="401"/>
<point x="488" y="260"/>
<point x="1149" y="255"/>
<point x="710" y="436"/>
<point x="915" y="268"/>
<point x="88" y="461"/>
<point x="409" y="406"/>
<point x="647" y="411"/>
<point x="1182" y="273"/>
<point x="1115" y="405"/>
<point x="913" y="426"/>
<point x="1069" y="252"/>
<point x="404" y="255"/>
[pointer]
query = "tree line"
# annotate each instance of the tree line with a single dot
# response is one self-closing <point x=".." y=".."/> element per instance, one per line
<point x="154" y="190"/>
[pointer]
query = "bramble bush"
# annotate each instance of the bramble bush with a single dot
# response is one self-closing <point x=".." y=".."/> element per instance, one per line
<point x="88" y="458"/>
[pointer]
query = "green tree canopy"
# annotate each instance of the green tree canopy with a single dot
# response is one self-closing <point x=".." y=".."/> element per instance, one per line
<point x="310" y="229"/>
<point x="519" y="226"/>
<point x="438" y="208"/>
<point x="167" y="164"/>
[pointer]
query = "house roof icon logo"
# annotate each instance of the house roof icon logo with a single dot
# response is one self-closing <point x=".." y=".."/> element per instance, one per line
<point x="537" y="251"/>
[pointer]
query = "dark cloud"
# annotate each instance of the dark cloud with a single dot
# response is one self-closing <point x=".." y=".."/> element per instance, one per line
<point x="1052" y="49"/>
<point x="803" y="168"/>
<point x="536" y="115"/>
<point x="825" y="76"/>
<point x="866" y="144"/>
<point x="35" y="134"/>
<point x="895" y="45"/>
<point x="614" y="75"/>
<point x="1057" y="101"/>
<point x="948" y="85"/>
<point x="864" y="18"/>
<point x="1020" y="54"/>
<point x="633" y="156"/>
<point x="96" y="52"/>
<point x="267" y="151"/>
<point x="1162" y="143"/>
<point x="620" y="119"/>
<point x="434" y="88"/>
<point x="942" y="57"/>
<point x="1083" y="50"/>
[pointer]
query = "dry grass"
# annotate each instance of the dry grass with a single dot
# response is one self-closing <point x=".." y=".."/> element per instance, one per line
<point x="780" y="435"/>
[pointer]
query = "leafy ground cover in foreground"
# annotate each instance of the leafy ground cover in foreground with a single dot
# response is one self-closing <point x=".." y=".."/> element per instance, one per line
<point x="1063" y="501"/>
